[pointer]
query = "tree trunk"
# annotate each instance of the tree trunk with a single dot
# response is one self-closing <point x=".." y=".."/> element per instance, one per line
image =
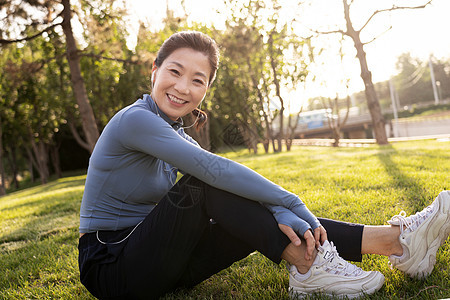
<point x="248" y="128"/>
<point x="268" y="128"/>
<point x="280" y="135"/>
<point x="291" y="130"/>
<point x="268" y="132"/>
<point x="54" y="154"/>
<point x="249" y="135"/>
<point x="254" y="139"/>
<point x="288" y="144"/>
<point x="89" y="125"/>
<point x="2" y="170"/>
<point x="371" y="96"/>
<point x="41" y="153"/>
<point x="266" y="146"/>
<point x="2" y="177"/>
<point x="30" y="165"/>
<point x="336" y="136"/>
<point x="13" y="164"/>
<point x="40" y="158"/>
<point x="378" y="122"/>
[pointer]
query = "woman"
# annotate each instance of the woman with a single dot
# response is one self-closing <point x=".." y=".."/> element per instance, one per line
<point x="142" y="234"/>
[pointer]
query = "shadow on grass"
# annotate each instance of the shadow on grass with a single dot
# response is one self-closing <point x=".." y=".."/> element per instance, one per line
<point x="412" y="190"/>
<point x="54" y="208"/>
<point x="53" y="185"/>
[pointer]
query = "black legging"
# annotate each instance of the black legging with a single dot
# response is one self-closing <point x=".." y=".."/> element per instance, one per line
<point x="194" y="232"/>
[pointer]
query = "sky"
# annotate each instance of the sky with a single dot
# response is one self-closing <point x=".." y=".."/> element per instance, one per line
<point x="421" y="32"/>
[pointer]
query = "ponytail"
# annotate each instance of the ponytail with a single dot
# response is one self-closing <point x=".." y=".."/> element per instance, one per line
<point x="201" y="118"/>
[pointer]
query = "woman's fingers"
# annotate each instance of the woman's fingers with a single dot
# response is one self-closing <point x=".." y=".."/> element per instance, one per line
<point x="310" y="244"/>
<point x="290" y="233"/>
<point x="320" y="235"/>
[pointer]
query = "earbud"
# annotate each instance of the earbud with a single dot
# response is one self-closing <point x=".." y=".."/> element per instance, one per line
<point x="154" y="68"/>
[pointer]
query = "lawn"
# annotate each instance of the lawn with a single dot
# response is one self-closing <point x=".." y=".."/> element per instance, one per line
<point x="39" y="225"/>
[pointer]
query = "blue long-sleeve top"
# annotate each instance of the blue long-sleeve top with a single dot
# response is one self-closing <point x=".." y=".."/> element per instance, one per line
<point x="135" y="163"/>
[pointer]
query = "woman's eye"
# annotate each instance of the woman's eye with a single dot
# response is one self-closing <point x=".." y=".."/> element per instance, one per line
<point x="174" y="71"/>
<point x="199" y="81"/>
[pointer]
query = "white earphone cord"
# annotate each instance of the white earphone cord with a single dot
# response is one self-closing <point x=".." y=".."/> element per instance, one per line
<point x="115" y="243"/>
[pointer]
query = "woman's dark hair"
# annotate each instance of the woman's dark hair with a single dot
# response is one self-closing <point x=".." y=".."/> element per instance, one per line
<point x="197" y="41"/>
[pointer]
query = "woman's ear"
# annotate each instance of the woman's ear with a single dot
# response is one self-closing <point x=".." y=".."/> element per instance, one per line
<point x="154" y="68"/>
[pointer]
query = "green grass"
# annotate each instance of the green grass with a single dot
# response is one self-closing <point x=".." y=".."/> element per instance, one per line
<point x="39" y="236"/>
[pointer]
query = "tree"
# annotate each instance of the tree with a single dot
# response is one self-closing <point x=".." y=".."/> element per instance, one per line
<point x="35" y="103"/>
<point x="26" y="113"/>
<point x="2" y="169"/>
<point x="335" y="118"/>
<point x="88" y="123"/>
<point x="292" y="123"/>
<point x="266" y="59"/>
<point x="52" y="13"/>
<point x="413" y="82"/>
<point x="8" y="95"/>
<point x="283" y="69"/>
<point x="236" y="105"/>
<point x="378" y="122"/>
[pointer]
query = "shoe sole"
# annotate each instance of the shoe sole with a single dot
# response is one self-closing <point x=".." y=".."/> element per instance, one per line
<point x="298" y="292"/>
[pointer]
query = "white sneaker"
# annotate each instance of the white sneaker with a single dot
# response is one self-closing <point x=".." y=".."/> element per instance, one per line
<point x="421" y="235"/>
<point x="333" y="276"/>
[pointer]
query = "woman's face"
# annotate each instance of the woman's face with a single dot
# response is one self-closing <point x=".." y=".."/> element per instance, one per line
<point x="181" y="82"/>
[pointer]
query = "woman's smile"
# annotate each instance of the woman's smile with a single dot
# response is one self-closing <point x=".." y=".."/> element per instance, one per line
<point x="175" y="100"/>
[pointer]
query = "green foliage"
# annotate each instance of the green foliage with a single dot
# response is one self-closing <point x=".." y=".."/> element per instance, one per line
<point x="261" y="56"/>
<point x="112" y="73"/>
<point x="36" y="97"/>
<point x="413" y="82"/>
<point x="38" y="226"/>
<point x="33" y="99"/>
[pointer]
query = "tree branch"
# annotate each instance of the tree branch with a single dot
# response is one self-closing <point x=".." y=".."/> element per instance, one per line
<point x="330" y="32"/>
<point x="127" y="61"/>
<point x="27" y="38"/>
<point x="112" y="16"/>
<point x="77" y="136"/>
<point x="394" y="7"/>
<point x="390" y="27"/>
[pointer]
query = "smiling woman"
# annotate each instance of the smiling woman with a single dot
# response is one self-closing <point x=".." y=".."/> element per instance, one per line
<point x="184" y="69"/>
<point x="181" y="82"/>
<point x="143" y="234"/>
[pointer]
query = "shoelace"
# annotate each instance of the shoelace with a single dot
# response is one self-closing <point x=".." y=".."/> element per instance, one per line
<point x="334" y="264"/>
<point x="413" y="221"/>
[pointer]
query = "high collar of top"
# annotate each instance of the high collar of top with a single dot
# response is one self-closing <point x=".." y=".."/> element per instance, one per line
<point x="154" y="108"/>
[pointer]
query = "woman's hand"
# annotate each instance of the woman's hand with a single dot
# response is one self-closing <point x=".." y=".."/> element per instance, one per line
<point x="312" y="241"/>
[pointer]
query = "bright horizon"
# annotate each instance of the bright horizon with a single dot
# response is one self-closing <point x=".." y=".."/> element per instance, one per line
<point x="420" y="32"/>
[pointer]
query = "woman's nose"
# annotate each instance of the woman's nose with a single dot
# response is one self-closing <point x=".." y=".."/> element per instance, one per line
<point x="182" y="86"/>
